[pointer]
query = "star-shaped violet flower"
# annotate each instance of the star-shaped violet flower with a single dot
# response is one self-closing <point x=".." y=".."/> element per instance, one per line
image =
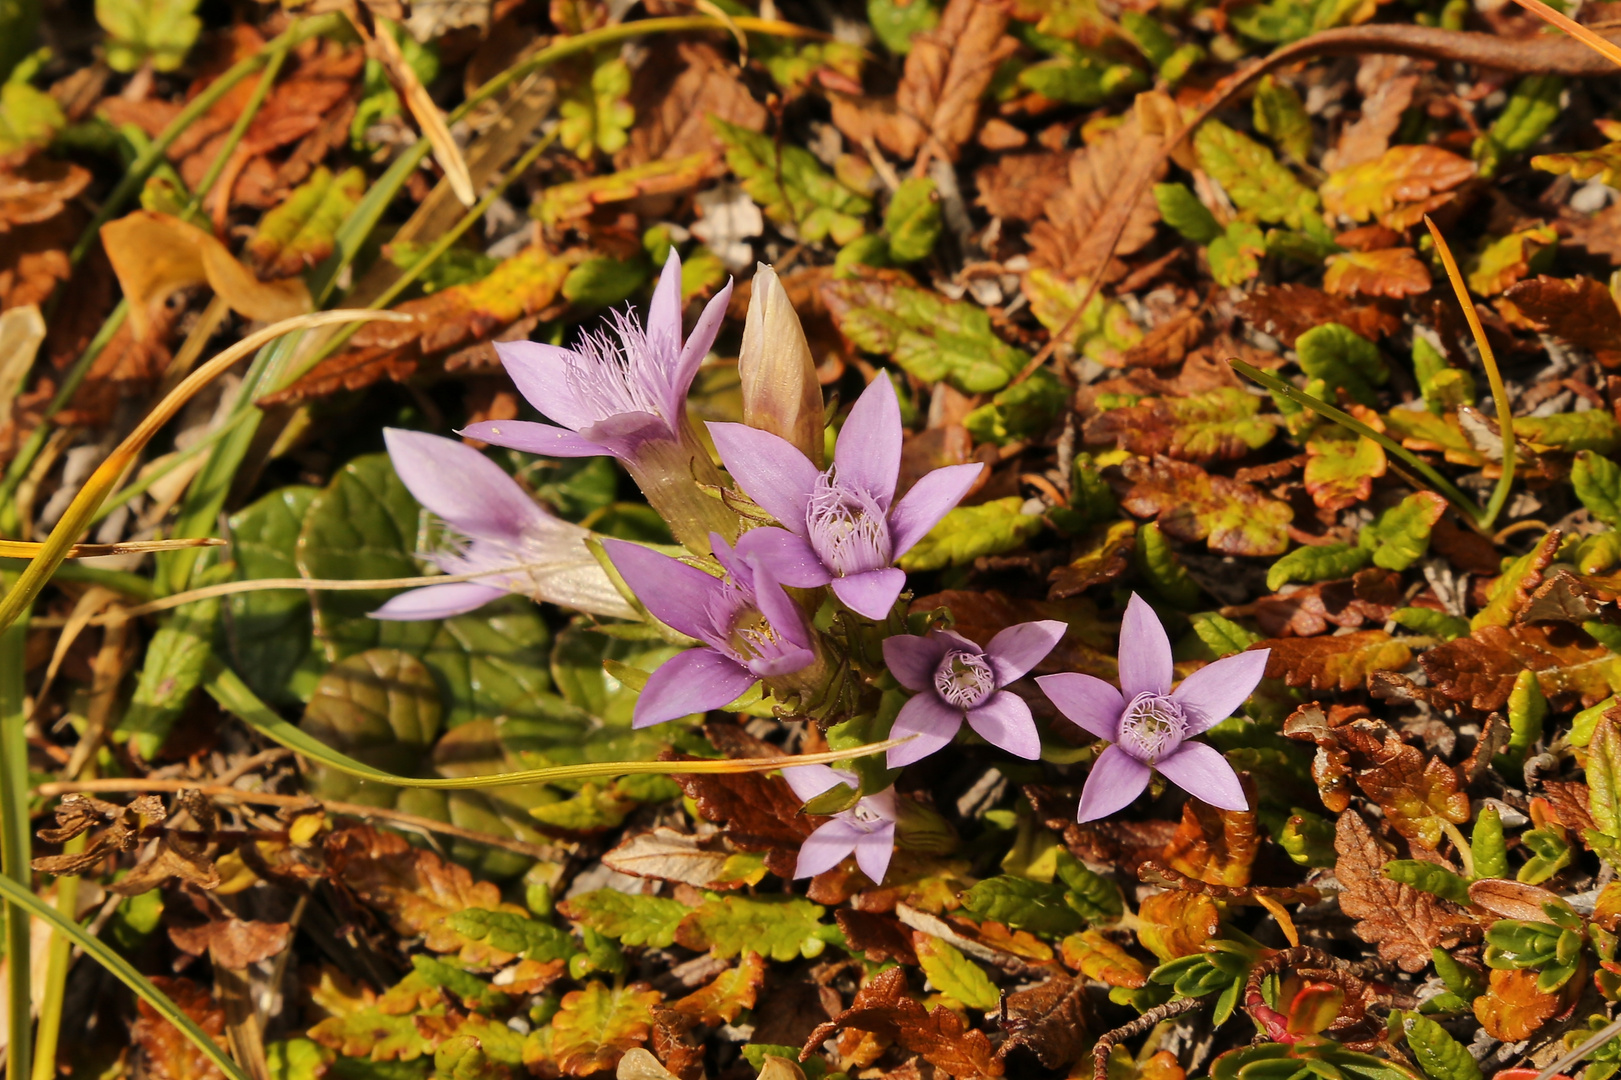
<point x="492" y="524"/>
<point x="867" y="829"/>
<point x="749" y="627"/>
<point x="839" y="527"/>
<point x="1149" y="725"/>
<point x="956" y="681"/>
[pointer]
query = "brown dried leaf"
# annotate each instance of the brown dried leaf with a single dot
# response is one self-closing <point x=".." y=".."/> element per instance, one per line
<point x="1190" y="504"/>
<point x="1340" y="662"/>
<point x="1579" y="310"/>
<point x="1087" y="646"/>
<point x="233" y="942"/>
<point x="1402" y="174"/>
<point x="1401" y="921"/>
<point x="1016" y="187"/>
<point x="1480" y="670"/>
<point x="1105" y="556"/>
<point x="732" y="991"/>
<point x="1512" y="1008"/>
<point x="1286" y="311"/>
<point x="1386" y="94"/>
<point x="169" y="1055"/>
<point x="668" y="855"/>
<point x="886" y="1008"/>
<point x="1418" y="795"/>
<point x="1050" y="1020"/>
<point x="880" y="938"/>
<point x="1392" y="272"/>
<point x="38" y="190"/>
<point x="675" y="93"/>
<point x="1369" y="597"/>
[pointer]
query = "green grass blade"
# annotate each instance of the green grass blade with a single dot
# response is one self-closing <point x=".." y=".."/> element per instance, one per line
<point x="15" y="841"/>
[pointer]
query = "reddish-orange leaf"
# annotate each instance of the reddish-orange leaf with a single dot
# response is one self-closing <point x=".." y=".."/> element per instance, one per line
<point x="1392" y="272"/>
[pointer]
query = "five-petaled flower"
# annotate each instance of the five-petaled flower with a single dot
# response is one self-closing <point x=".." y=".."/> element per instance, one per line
<point x="492" y="524"/>
<point x="867" y="829"/>
<point x="1149" y="725"/>
<point x="955" y="681"/>
<point x="838" y="526"/>
<point x="749" y="627"/>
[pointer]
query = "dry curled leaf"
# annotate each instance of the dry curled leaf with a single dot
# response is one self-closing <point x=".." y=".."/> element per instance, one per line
<point x="167" y="1053"/>
<point x="1479" y="670"/>
<point x="1580" y="310"/>
<point x="1049" y="1020"/>
<point x="1392" y="272"/>
<point x="1403" y="922"/>
<point x="1340" y="662"/>
<point x="1190" y="504"/>
<point x="887" y="1009"/>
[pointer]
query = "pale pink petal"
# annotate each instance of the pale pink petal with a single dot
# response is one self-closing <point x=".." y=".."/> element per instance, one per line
<point x="533" y="438"/>
<point x="873" y="851"/>
<point x="1004" y="721"/>
<point x="1202" y="771"/>
<point x="1085" y="700"/>
<point x="826" y="847"/>
<point x="438" y="601"/>
<point x="540" y="372"/>
<point x="678" y="595"/>
<point x="694" y="681"/>
<point x="1016" y="650"/>
<point x="872" y="594"/>
<point x="769" y="469"/>
<point x="928" y="500"/>
<point x="809" y="781"/>
<point x="1145" y="652"/>
<point x="930" y="720"/>
<point x="1214" y="692"/>
<point x="912" y="659"/>
<point x="462" y="486"/>
<point x="786" y="557"/>
<point x="702" y="337"/>
<point x="868" y="452"/>
<point x="1115" y="780"/>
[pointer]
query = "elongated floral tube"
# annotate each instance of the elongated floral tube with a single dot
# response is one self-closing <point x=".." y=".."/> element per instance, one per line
<point x="780" y="391"/>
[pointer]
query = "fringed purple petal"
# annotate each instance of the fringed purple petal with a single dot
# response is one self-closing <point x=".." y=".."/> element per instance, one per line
<point x="462" y="486"/>
<point x="769" y="469"/>
<point x="1145" y="652"/>
<point x="1004" y="721"/>
<point x="872" y="594"/>
<point x="438" y="601"/>
<point x="931" y="721"/>
<point x="678" y="595"/>
<point x="699" y="342"/>
<point x="1016" y="650"/>
<point x="868" y="453"/>
<point x="694" y="681"/>
<point x="912" y="658"/>
<point x="929" y="500"/>
<point x="533" y="438"/>
<point x="540" y="373"/>
<point x="1200" y="770"/>
<point x="784" y="556"/>
<point x="873" y="851"/>
<point x="825" y="848"/>
<point x="1214" y="692"/>
<point x="1086" y="701"/>
<point x="1116" y="779"/>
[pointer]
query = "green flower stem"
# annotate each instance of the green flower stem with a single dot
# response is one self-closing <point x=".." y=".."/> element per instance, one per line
<point x="15" y="841"/>
<point x="58" y="959"/>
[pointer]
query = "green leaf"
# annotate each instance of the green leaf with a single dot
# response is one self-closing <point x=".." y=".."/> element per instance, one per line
<point x="603" y="282"/>
<point x="1220" y="634"/>
<point x="912" y="219"/>
<point x="1527" y="709"/>
<point x="1092" y="896"/>
<point x="1440" y="1055"/>
<point x="929" y="336"/>
<point x="1251" y="176"/>
<point x="1102" y="331"/>
<point x="1235" y="253"/>
<point x="783" y="928"/>
<point x="792" y="187"/>
<point x="956" y="976"/>
<point x="1281" y="116"/>
<point x="968" y="532"/>
<point x="1156" y="561"/>
<point x="29" y="118"/>
<point x="1022" y="411"/>
<point x="380" y="707"/>
<point x="513" y="933"/>
<point x="1317" y="562"/>
<point x="493" y="662"/>
<point x="1461" y="979"/>
<point x="1308" y="839"/>
<point x="1183" y="211"/>
<point x="1343" y="359"/>
<point x="267" y="634"/>
<point x="1533" y="106"/>
<point x="1024" y="905"/>
<point x="1604" y="777"/>
<point x="1432" y="623"/>
<point x="757" y="1053"/>
<point x="457" y="266"/>
<point x="1433" y="879"/>
<point x="632" y="918"/>
<point x="1487" y="845"/>
<point x="1594" y="430"/>
<point x="159" y="32"/>
<point x="295" y="1059"/>
<point x="300" y="232"/>
<point x="593" y="114"/>
<point x="1401" y="535"/>
<point x="1597" y="481"/>
<point x="473" y="991"/>
<point x="1079" y="75"/>
<point x="897" y="23"/>
<point x="175" y="662"/>
<point x="1445" y="388"/>
<point x="1550" y="853"/>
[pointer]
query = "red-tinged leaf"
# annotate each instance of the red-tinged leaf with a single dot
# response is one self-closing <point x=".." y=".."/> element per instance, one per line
<point x="1402" y="174"/>
<point x="1403" y="922"/>
<point x="886" y="1008"/>
<point x="1340" y="662"/>
<point x="1289" y="310"/>
<point x="594" y="1027"/>
<point x="1392" y="272"/>
<point x="674" y="93"/>
<point x="1479" y="670"/>
<point x="1173" y="924"/>
<point x="38" y="190"/>
<point x="1095" y="956"/>
<point x="1512" y="1008"/>
<point x="168" y="1054"/>
<point x="1216" y="425"/>
<point x="1190" y="504"/>
<point x="1215" y="846"/>
<point x="664" y="176"/>
<point x="1580" y="310"/>
<point x="1341" y="468"/>
<point x="732" y="991"/>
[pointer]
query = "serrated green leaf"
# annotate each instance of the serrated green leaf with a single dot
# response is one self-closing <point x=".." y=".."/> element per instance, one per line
<point x="1433" y="879"/>
<point x="1024" y="905"/>
<point x="1080" y="76"/>
<point x="513" y="933"/>
<point x="593" y="113"/>
<point x="604" y="282"/>
<point x="956" y="976"/>
<point x="1597" y="482"/>
<point x="1401" y="535"/>
<point x="1183" y="211"/>
<point x="1604" y="777"/>
<point x="1280" y="115"/>
<point x="1094" y="897"/>
<point x="1022" y="411"/>
<point x="159" y="32"/>
<point x="295" y="1059"/>
<point x="1594" y="431"/>
<point x="631" y="918"/>
<point x="1220" y="634"/>
<point x="299" y="233"/>
<point x="474" y="992"/>
<point x="1251" y="176"/>
<point x="929" y="336"/>
<point x="1343" y="359"/>
<point x="1156" y="561"/>
<point x="781" y="927"/>
<point x="1102" y="331"/>
<point x="1317" y="562"/>
<point x="912" y="219"/>
<point x="1527" y="709"/>
<point x="968" y="532"/>
<point x="792" y="186"/>
<point x="1431" y="623"/>
<point x="1440" y="1055"/>
<point x="1234" y="255"/>
<point x="1487" y="845"/>
<point x="1533" y="106"/>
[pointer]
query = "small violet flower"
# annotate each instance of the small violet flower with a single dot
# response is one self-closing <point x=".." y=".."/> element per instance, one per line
<point x="838" y="526"/>
<point x="955" y="681"/>
<point x="492" y="524"/>
<point x="867" y="829"/>
<point x="749" y="627"/>
<point x="1149" y="725"/>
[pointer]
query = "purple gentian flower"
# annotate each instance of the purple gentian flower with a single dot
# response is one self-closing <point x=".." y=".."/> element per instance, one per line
<point x="749" y="627"/>
<point x="867" y="829"/>
<point x="1149" y="724"/>
<point x="956" y="680"/>
<point x="840" y="527"/>
<point x="493" y="524"/>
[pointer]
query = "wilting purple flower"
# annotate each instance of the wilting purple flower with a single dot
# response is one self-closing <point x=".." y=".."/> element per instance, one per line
<point x="1149" y="724"/>
<point x="867" y="829"/>
<point x="840" y="527"/>
<point x="492" y="524"/>
<point x="956" y="680"/>
<point x="608" y="395"/>
<point x="749" y="627"/>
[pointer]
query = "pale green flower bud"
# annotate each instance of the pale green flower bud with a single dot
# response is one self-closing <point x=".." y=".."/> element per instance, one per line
<point x="780" y="391"/>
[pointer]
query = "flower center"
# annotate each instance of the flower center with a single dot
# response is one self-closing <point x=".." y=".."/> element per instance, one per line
<point x="847" y="528"/>
<point x="609" y="378"/>
<point x="964" y="679"/>
<point x="1152" y="726"/>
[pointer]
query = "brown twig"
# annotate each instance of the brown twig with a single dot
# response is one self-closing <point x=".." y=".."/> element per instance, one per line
<point x="1106" y="1042"/>
<point x="217" y="791"/>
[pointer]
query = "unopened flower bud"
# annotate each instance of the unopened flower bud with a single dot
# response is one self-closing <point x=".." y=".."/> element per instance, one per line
<point x="780" y="391"/>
